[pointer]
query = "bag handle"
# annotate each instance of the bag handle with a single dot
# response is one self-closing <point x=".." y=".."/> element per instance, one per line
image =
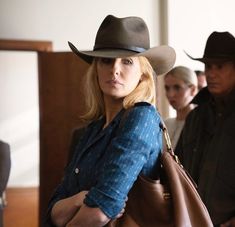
<point x="166" y="137"/>
<point x="168" y="142"/>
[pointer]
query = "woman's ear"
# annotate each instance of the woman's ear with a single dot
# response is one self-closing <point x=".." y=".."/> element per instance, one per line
<point x="194" y="90"/>
<point x="142" y="77"/>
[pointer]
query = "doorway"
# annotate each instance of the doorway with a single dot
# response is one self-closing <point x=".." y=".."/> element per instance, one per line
<point x="19" y="127"/>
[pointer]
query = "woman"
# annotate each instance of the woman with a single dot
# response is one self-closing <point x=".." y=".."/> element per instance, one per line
<point x="120" y="139"/>
<point x="180" y="87"/>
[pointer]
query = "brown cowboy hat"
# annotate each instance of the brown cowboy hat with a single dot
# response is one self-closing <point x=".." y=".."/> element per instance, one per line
<point x="129" y="36"/>
<point x="220" y="46"/>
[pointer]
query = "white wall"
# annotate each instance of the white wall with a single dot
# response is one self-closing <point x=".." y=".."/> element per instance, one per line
<point x="57" y="21"/>
<point x="74" y="20"/>
<point x="19" y="119"/>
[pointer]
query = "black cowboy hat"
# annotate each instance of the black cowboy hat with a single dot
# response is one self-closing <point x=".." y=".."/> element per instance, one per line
<point x="129" y="36"/>
<point x="220" y="46"/>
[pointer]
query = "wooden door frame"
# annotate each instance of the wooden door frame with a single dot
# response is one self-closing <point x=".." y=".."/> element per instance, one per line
<point x="27" y="45"/>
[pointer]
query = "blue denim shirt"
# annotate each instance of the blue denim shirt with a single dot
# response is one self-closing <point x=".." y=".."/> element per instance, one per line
<point x="107" y="161"/>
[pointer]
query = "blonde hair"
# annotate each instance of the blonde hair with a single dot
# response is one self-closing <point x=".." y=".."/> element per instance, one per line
<point x="145" y="91"/>
<point x="184" y="73"/>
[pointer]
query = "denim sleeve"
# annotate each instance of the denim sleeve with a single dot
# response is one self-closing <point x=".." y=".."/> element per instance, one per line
<point x="129" y="151"/>
<point x="63" y="190"/>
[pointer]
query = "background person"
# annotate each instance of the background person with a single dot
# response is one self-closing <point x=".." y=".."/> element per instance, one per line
<point x="201" y="79"/>
<point x="180" y="88"/>
<point x="123" y="137"/>
<point x="207" y="145"/>
<point x="5" y="166"/>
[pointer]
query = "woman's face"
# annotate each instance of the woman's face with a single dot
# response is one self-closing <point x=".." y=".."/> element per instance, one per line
<point x="178" y="93"/>
<point x="118" y="77"/>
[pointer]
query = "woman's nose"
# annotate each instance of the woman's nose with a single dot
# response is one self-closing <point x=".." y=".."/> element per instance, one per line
<point x="170" y="92"/>
<point x="115" y="70"/>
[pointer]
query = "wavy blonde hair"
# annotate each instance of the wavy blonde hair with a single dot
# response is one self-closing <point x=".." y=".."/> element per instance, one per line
<point x="94" y="102"/>
<point x="184" y="73"/>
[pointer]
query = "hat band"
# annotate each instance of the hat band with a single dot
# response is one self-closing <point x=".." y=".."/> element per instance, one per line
<point x="122" y="47"/>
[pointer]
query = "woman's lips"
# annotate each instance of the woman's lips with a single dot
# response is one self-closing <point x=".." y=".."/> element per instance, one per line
<point x="172" y="102"/>
<point x="114" y="82"/>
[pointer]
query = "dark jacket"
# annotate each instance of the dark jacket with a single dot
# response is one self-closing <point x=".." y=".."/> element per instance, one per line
<point x="207" y="150"/>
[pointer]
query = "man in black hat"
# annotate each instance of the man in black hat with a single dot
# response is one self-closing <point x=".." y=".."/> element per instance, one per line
<point x="207" y="144"/>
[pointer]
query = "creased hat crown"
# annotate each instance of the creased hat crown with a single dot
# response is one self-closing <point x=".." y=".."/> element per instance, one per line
<point x="219" y="46"/>
<point x="126" y="37"/>
<point x="130" y="33"/>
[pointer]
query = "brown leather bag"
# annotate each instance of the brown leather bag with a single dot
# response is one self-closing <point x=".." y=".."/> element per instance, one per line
<point x="172" y="200"/>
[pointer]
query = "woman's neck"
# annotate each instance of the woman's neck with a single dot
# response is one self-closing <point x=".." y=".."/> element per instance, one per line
<point x="111" y="110"/>
<point x="182" y="113"/>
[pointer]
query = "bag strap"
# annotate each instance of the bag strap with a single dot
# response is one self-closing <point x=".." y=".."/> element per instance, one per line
<point x="170" y="150"/>
<point x="166" y="137"/>
<point x="168" y="142"/>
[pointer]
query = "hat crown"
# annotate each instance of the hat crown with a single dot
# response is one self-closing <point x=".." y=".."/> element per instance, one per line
<point x="130" y="33"/>
<point x="127" y="37"/>
<point x="220" y="45"/>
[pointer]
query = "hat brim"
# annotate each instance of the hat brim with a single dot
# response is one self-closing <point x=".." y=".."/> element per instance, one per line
<point x="220" y="58"/>
<point x="162" y="58"/>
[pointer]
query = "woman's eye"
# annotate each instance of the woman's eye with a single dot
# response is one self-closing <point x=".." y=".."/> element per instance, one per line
<point x="177" y="88"/>
<point x="106" y="60"/>
<point x="167" y="88"/>
<point x="127" y="61"/>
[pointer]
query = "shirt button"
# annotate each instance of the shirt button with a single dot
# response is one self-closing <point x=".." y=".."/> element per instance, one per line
<point x="76" y="170"/>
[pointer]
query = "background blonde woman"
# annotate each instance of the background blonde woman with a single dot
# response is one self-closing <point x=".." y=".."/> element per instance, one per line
<point x="180" y="87"/>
